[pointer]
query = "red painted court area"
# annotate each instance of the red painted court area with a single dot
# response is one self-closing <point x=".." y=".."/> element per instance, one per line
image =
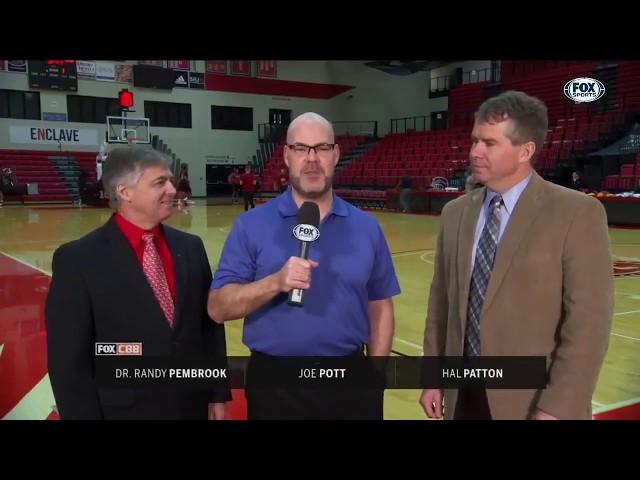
<point x="23" y="360"/>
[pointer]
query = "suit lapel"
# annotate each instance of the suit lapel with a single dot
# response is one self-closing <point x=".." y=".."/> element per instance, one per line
<point x="179" y="256"/>
<point x="522" y="217"/>
<point x="466" y="233"/>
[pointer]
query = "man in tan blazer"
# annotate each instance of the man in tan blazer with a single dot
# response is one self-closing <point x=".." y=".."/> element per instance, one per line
<point x="523" y="268"/>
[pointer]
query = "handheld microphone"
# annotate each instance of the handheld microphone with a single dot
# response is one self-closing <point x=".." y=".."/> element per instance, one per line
<point x="307" y="231"/>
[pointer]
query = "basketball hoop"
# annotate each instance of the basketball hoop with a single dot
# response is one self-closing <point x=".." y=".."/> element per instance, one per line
<point x="128" y="130"/>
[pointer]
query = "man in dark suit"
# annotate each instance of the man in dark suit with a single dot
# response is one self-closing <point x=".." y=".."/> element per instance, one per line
<point x="132" y="280"/>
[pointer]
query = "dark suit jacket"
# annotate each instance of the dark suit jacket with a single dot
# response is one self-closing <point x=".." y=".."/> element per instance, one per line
<point x="99" y="293"/>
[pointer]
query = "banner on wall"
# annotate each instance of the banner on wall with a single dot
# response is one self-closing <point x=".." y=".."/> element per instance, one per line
<point x="52" y="136"/>
<point x="86" y="69"/>
<point x="155" y="63"/>
<point x="17" y="66"/>
<point x="266" y="68"/>
<point x="217" y="66"/>
<point x="105" y="72"/>
<point x="241" y="67"/>
<point x="220" y="159"/>
<point x="178" y="64"/>
<point x="196" y="80"/>
<point x="54" y="117"/>
<point x="124" y="73"/>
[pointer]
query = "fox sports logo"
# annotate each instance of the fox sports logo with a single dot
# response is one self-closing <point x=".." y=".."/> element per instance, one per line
<point x="306" y="233"/>
<point x="584" y="89"/>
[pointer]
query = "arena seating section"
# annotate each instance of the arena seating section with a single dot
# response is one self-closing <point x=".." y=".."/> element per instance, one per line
<point x="38" y="166"/>
<point x="574" y="130"/>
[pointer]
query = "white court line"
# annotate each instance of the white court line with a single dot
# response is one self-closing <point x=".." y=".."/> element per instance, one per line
<point x="627" y="313"/>
<point x="620" y="292"/>
<point x="406" y="254"/>
<point x="424" y="253"/>
<point x="612" y="406"/>
<point x="422" y="257"/>
<point x="36" y="404"/>
<point x="25" y="263"/>
<point x="625" y="336"/>
<point x="597" y="404"/>
<point x="406" y="342"/>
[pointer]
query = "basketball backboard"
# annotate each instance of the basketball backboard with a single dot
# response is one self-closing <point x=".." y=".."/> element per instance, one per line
<point x="124" y="129"/>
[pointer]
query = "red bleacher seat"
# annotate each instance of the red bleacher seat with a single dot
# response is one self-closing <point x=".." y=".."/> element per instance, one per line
<point x="611" y="182"/>
<point x="627" y="170"/>
<point x="625" y="182"/>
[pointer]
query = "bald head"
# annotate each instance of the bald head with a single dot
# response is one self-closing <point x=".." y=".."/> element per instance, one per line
<point x="309" y="117"/>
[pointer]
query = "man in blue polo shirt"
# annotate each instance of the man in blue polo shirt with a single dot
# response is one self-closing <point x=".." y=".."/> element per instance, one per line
<point x="348" y="282"/>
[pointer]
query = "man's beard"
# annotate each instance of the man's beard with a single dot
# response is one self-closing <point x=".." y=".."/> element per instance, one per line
<point x="297" y="186"/>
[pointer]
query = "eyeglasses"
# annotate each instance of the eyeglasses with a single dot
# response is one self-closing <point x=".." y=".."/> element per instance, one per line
<point x="320" y="149"/>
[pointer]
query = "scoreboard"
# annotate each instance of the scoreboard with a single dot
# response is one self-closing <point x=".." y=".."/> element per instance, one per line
<point x="53" y="74"/>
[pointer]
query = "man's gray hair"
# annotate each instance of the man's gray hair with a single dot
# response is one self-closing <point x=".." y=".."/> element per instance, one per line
<point x="125" y="165"/>
<point x="310" y="117"/>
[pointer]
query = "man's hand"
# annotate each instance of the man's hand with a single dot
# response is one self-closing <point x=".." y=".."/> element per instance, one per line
<point x="217" y="411"/>
<point x="296" y="273"/>
<point x="541" y="415"/>
<point x="432" y="401"/>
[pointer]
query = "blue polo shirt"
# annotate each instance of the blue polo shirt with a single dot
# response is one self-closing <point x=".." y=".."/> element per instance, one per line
<point x="355" y="267"/>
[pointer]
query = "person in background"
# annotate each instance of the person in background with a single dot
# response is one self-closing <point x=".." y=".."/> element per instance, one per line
<point x="576" y="181"/>
<point x="283" y="180"/>
<point x="405" y="184"/>
<point x="248" y="182"/>
<point x="234" y="181"/>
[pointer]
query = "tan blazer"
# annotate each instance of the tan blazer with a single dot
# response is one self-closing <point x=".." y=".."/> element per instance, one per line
<point x="550" y="294"/>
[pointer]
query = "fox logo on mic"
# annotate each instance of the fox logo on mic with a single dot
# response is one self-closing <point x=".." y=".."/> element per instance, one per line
<point x="306" y="233"/>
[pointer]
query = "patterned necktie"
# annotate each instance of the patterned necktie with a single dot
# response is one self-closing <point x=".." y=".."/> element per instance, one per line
<point x="154" y="271"/>
<point x="485" y="255"/>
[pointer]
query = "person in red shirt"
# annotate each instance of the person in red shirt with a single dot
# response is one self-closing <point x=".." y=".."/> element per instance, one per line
<point x="248" y="182"/>
<point x="283" y="180"/>
<point x="132" y="280"/>
<point x="234" y="180"/>
<point x="184" y="186"/>
<point x="183" y="193"/>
